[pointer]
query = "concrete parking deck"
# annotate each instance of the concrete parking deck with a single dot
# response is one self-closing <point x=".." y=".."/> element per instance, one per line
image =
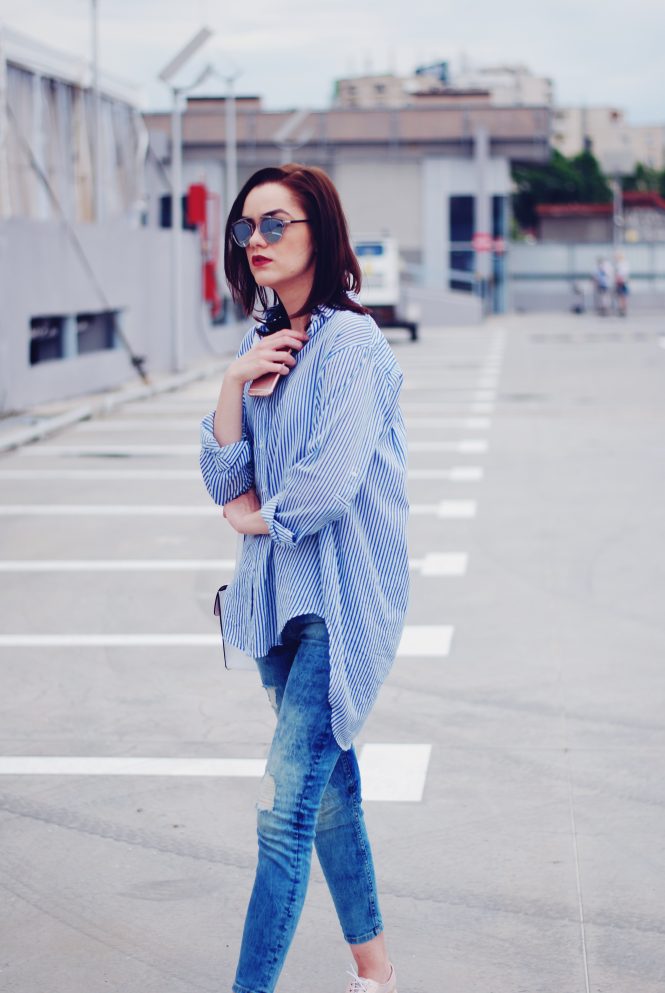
<point x="513" y="766"/>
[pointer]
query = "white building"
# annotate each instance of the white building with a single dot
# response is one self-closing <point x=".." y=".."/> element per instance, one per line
<point x="81" y="280"/>
<point x="439" y="84"/>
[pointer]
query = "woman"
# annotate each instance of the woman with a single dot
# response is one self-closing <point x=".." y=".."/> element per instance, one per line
<point x="314" y="477"/>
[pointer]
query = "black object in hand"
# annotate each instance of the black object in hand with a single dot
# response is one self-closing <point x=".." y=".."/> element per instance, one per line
<point x="275" y="319"/>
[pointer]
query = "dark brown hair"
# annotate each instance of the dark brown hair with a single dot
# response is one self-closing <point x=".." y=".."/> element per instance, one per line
<point x="336" y="268"/>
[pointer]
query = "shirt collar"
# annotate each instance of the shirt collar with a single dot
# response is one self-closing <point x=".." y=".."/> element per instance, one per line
<point x="319" y="317"/>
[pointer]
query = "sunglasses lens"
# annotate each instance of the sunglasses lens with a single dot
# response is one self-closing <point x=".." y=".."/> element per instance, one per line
<point x="272" y="229"/>
<point x="242" y="232"/>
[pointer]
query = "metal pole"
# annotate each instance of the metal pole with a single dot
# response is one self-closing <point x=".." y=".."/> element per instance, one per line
<point x="483" y="218"/>
<point x="231" y="146"/>
<point x="97" y="182"/>
<point x="176" y="230"/>
<point x="617" y="212"/>
<point x="4" y="127"/>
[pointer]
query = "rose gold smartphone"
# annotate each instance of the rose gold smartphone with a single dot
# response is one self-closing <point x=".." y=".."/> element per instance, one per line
<point x="264" y="386"/>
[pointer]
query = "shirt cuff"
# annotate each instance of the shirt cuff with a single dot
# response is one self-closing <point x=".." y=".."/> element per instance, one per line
<point x="226" y="456"/>
<point x="277" y="531"/>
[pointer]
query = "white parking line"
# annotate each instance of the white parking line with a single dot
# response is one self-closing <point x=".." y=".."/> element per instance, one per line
<point x="117" y="565"/>
<point x="192" y="427"/>
<point x="389" y="772"/>
<point x="445" y="509"/>
<point x="104" y="474"/>
<point x="456" y="474"/>
<point x="449" y="508"/>
<point x="109" y="510"/>
<point x="469" y="423"/>
<point x="169" y="451"/>
<point x="443" y="564"/>
<point x="75" y="765"/>
<point x="394" y="772"/>
<point x="47" y="450"/>
<point x="471" y="446"/>
<point x="418" y="641"/>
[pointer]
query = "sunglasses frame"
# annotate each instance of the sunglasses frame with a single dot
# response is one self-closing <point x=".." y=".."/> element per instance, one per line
<point x="283" y="221"/>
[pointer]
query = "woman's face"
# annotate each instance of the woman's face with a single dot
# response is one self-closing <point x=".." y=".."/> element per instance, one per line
<point x="287" y="266"/>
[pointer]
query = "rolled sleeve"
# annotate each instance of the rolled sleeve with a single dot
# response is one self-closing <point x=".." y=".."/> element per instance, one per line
<point x="227" y="470"/>
<point x="277" y="531"/>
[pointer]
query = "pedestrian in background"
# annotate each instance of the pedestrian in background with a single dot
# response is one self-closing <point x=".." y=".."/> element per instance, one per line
<point x="314" y="477"/>
<point x="621" y="283"/>
<point x="602" y="280"/>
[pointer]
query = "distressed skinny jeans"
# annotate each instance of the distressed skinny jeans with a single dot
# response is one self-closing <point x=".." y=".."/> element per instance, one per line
<point x="310" y="795"/>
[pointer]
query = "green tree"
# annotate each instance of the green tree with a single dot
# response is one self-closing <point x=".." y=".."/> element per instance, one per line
<point x="645" y="179"/>
<point x="562" y="180"/>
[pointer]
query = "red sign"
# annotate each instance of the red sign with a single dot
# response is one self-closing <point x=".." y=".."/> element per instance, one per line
<point x="499" y="245"/>
<point x="482" y="241"/>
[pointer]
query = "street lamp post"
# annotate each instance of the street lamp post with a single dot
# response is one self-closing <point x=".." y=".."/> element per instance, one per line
<point x="97" y="179"/>
<point x="166" y="75"/>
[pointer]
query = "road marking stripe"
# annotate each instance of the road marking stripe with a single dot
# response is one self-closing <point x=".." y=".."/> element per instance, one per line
<point x="117" y="565"/>
<point x="472" y="445"/>
<point x="470" y="423"/>
<point x="55" y="765"/>
<point x="418" y="641"/>
<point x="394" y="773"/>
<point x="442" y="564"/>
<point x="389" y="772"/>
<point x="434" y="564"/>
<point x="448" y="508"/>
<point x="445" y="509"/>
<point x="46" y="450"/>
<point x="193" y="427"/>
<point x="43" y="450"/>
<point x="456" y="474"/>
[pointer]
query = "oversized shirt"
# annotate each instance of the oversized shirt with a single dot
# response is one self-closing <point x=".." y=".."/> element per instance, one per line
<point x="326" y="454"/>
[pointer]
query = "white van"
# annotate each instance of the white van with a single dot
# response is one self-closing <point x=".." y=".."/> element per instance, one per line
<point x="379" y="263"/>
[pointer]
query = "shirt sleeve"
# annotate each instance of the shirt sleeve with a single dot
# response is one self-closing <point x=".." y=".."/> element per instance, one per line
<point x="354" y="405"/>
<point x="228" y="470"/>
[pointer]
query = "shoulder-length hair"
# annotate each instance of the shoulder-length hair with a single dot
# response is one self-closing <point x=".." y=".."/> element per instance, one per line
<point x="336" y="268"/>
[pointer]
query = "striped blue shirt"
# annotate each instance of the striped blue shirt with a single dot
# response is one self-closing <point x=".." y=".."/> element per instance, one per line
<point x="327" y="456"/>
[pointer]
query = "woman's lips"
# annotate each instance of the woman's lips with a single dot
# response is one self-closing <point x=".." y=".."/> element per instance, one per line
<point x="260" y="260"/>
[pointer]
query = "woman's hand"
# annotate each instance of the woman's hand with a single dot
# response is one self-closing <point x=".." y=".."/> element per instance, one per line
<point x="243" y="514"/>
<point x="269" y="354"/>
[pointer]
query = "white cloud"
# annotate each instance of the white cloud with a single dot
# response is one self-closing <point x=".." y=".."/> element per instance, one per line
<point x="290" y="53"/>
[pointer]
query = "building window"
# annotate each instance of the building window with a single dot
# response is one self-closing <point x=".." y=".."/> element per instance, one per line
<point x="96" y="332"/>
<point x="461" y="259"/>
<point x="47" y="339"/>
<point x="64" y="336"/>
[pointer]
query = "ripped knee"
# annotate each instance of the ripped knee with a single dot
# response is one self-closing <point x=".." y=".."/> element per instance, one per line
<point x="266" y="797"/>
<point x="272" y="697"/>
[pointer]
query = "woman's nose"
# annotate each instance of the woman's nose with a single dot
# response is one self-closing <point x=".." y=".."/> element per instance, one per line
<point x="257" y="239"/>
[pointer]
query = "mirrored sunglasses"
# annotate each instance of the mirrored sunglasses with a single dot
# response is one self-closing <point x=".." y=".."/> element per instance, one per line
<point x="271" y="228"/>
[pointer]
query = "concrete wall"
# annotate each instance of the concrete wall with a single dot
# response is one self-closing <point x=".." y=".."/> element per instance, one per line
<point x="382" y="198"/>
<point x="41" y="274"/>
<point x="442" y="179"/>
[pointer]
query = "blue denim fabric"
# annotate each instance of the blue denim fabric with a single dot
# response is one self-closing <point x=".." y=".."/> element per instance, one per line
<point x="310" y="795"/>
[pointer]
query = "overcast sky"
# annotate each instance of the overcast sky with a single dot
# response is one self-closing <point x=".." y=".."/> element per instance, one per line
<point x="290" y="51"/>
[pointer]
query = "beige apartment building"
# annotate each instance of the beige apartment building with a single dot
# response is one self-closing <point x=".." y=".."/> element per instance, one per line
<point x="440" y="85"/>
<point x="617" y="144"/>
